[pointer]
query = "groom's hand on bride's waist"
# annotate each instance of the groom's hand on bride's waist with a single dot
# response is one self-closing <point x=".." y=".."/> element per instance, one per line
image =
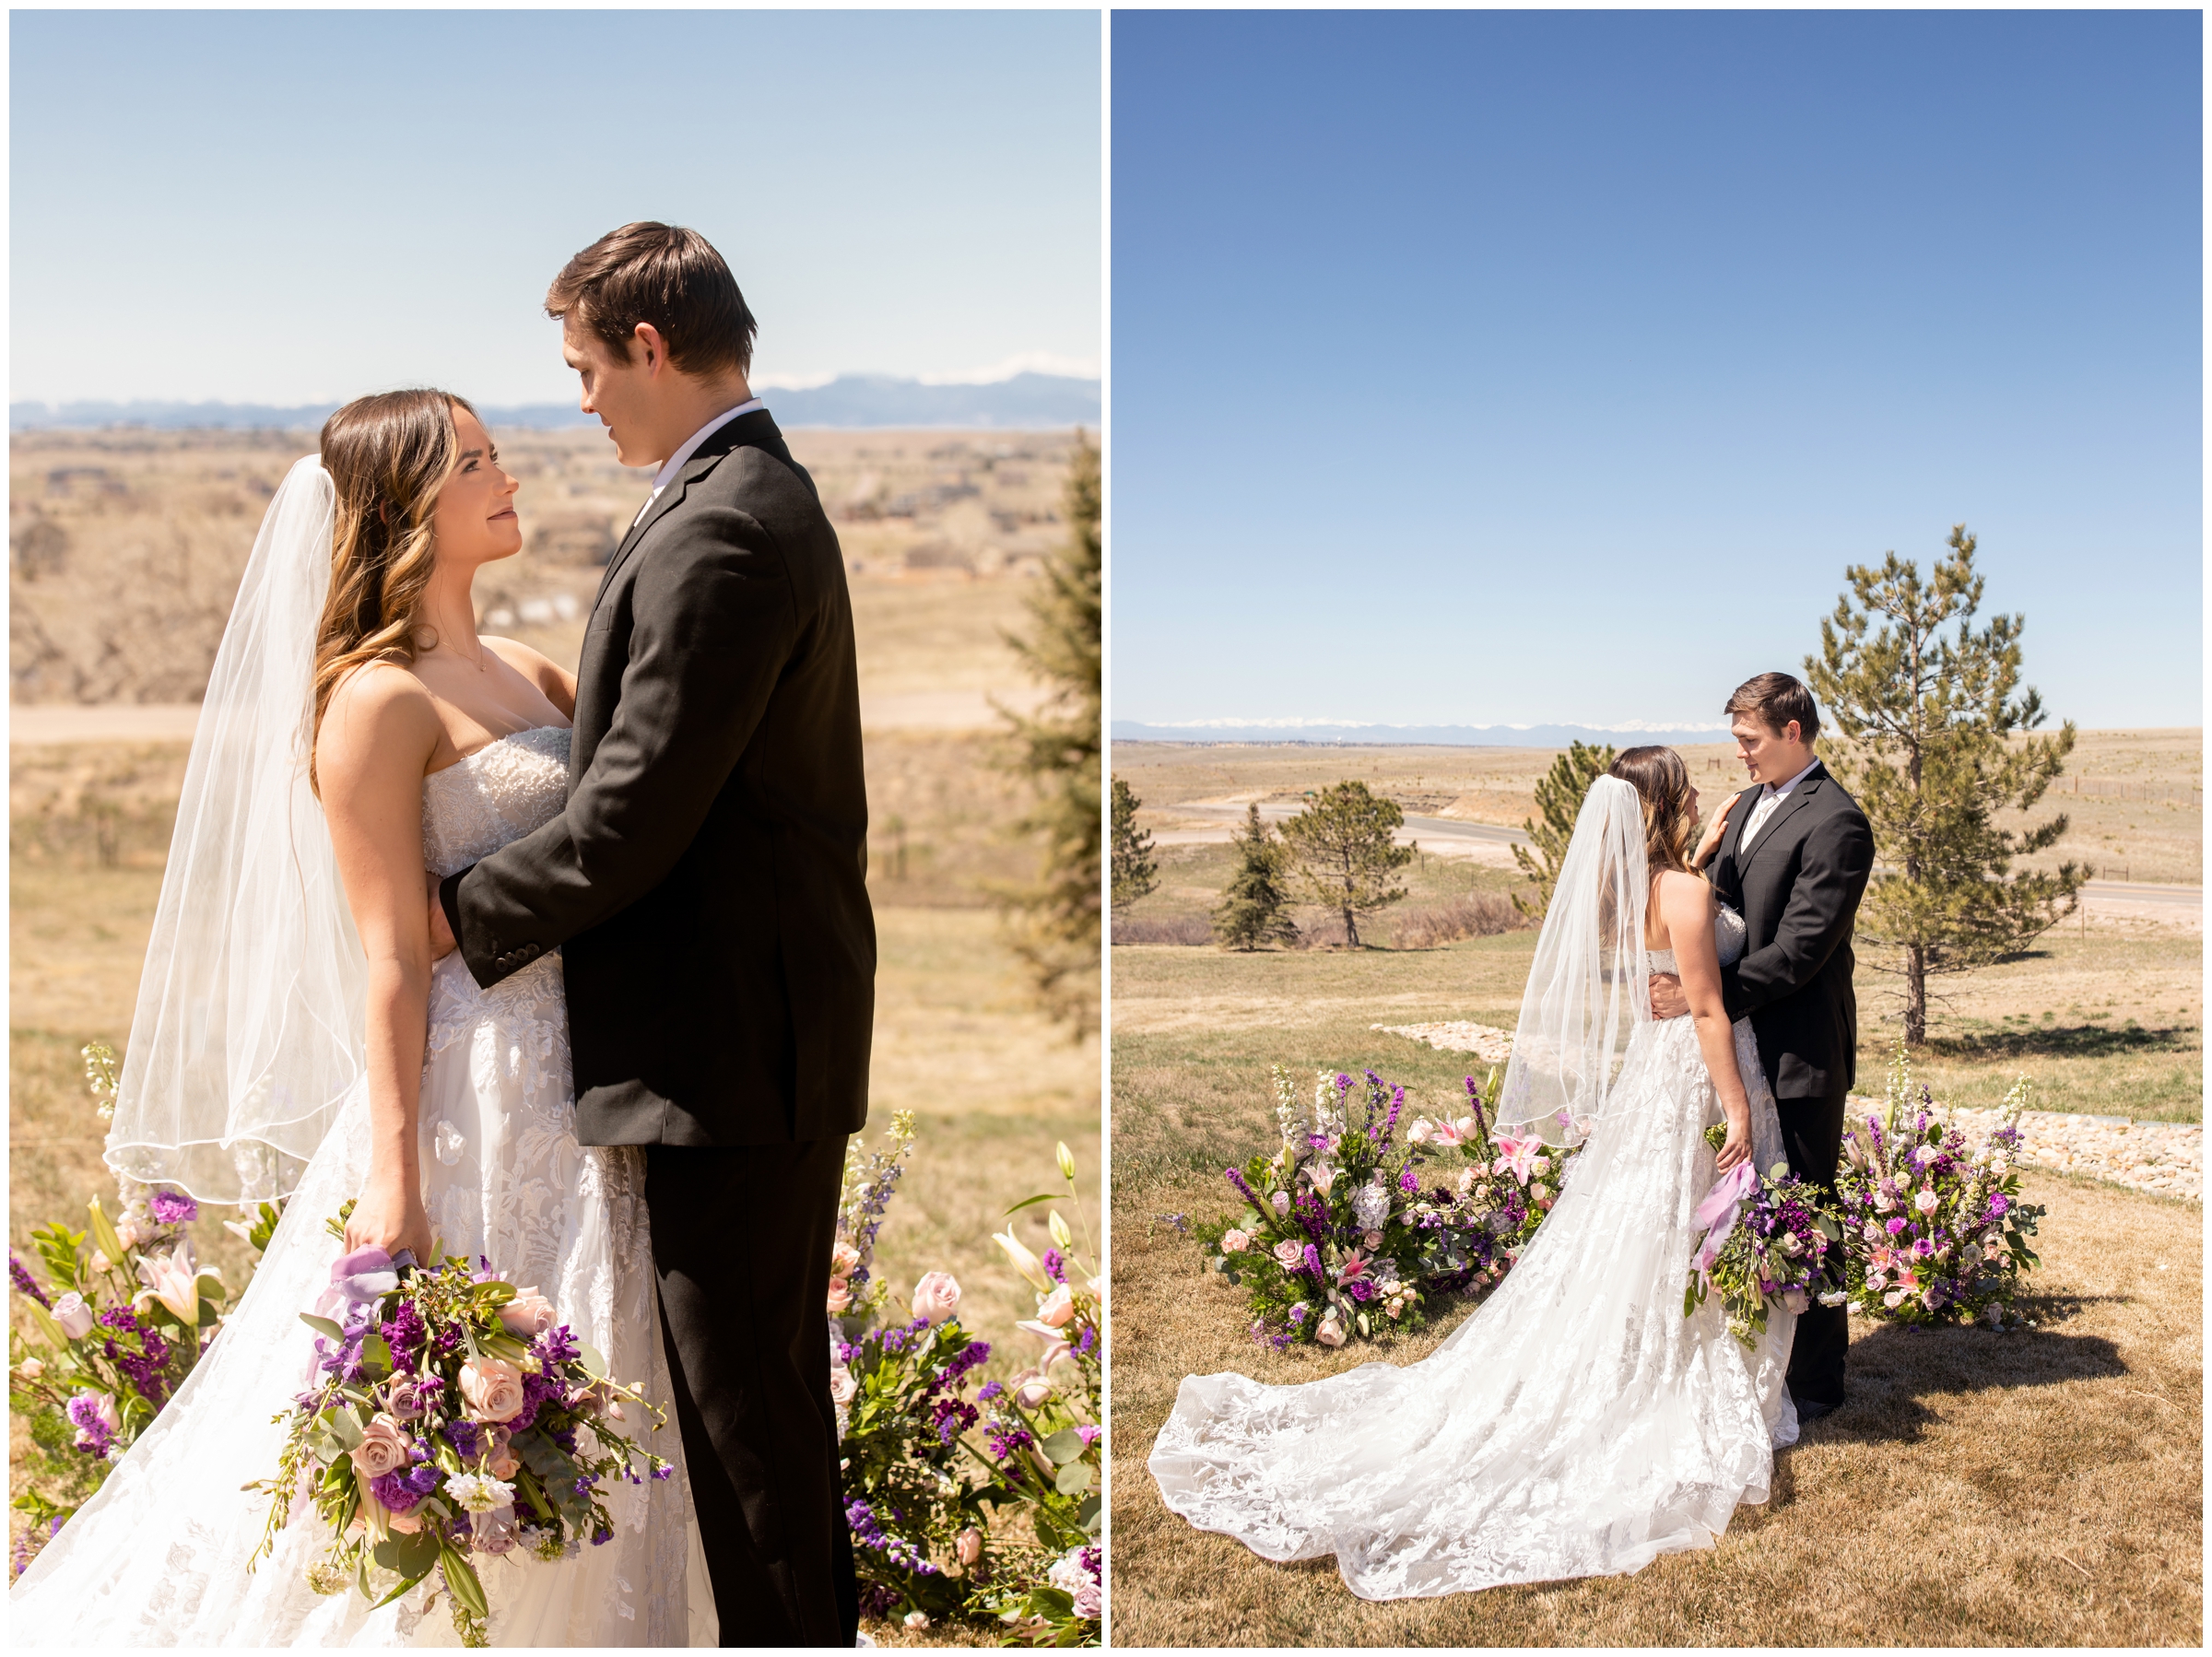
<point x="443" y="942"/>
<point x="1667" y="1000"/>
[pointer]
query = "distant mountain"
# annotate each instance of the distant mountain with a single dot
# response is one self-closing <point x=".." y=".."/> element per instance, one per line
<point x="1027" y="402"/>
<point x="1470" y="736"/>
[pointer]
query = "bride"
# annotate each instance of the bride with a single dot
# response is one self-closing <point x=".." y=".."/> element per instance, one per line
<point x="293" y="1039"/>
<point x="1578" y="1424"/>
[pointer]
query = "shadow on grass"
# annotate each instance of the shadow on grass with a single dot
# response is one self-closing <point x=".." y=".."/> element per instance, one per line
<point x="1894" y="1369"/>
<point x="2068" y="1041"/>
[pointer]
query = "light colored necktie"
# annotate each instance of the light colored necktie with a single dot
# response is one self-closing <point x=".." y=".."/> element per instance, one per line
<point x="1768" y="800"/>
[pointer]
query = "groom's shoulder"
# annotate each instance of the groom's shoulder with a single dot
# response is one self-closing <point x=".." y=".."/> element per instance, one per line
<point x="1836" y="800"/>
<point x="763" y="481"/>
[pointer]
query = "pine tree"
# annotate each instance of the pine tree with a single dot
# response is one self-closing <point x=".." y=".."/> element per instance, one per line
<point x="1345" y="852"/>
<point x="1936" y="751"/>
<point x="1559" y="795"/>
<point x="1134" y="872"/>
<point x="1056" y="921"/>
<point x="1255" y="909"/>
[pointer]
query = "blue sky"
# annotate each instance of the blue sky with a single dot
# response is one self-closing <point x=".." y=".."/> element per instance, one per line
<point x="1517" y="368"/>
<point x="296" y="206"/>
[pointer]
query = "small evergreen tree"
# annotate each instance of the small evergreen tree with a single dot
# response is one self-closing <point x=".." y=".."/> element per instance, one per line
<point x="1255" y="909"/>
<point x="1134" y="873"/>
<point x="1559" y="795"/>
<point x="1345" y="852"/>
<point x="1057" y="929"/>
<point x="1932" y="721"/>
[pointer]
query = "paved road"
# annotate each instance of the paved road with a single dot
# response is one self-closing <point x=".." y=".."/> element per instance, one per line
<point x="1496" y="834"/>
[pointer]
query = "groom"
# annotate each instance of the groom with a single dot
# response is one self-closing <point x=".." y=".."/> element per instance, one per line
<point x="706" y="886"/>
<point x="1794" y="863"/>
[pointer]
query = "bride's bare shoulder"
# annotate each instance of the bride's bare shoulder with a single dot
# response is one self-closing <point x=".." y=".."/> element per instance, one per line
<point x="379" y="711"/>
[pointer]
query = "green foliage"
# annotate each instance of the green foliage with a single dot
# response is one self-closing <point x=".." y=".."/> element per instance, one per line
<point x="1560" y="798"/>
<point x="1134" y="873"/>
<point x="1255" y="907"/>
<point x="1342" y="843"/>
<point x="1936" y="749"/>
<point x="1057" y="920"/>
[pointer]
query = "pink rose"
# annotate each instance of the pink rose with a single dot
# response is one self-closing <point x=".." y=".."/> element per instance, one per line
<point x="968" y="1545"/>
<point x="493" y="1389"/>
<point x="1235" y="1242"/>
<point x="529" y="1314"/>
<point x="1089" y="1602"/>
<point x="842" y="1387"/>
<point x="382" y="1449"/>
<point x="1330" y="1333"/>
<point x="1289" y="1256"/>
<point x="1925" y="1202"/>
<point x="501" y="1461"/>
<point x="937" y="1297"/>
<point x="493" y="1532"/>
<point x="1373" y="1240"/>
<point x="1059" y="1306"/>
<point x="75" y="1317"/>
<point x="840" y="1296"/>
<point x="1281" y="1201"/>
<point x="1030" y="1389"/>
<point x="844" y="1260"/>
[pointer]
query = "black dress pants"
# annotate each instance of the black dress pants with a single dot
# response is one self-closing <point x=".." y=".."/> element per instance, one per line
<point x="741" y="1242"/>
<point x="1812" y="1136"/>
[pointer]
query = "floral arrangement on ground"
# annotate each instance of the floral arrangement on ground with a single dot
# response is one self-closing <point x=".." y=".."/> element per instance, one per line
<point x="970" y="1498"/>
<point x="1353" y="1231"/>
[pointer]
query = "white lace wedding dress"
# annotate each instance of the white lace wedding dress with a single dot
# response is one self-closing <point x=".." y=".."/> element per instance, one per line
<point x="159" y="1556"/>
<point x="1576" y="1425"/>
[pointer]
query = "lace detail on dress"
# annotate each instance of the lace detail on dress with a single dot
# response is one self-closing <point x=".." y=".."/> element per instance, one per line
<point x="1577" y="1423"/>
<point x="503" y="1177"/>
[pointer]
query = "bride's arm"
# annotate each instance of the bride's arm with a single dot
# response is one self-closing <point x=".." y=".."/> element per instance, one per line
<point x="376" y="742"/>
<point x="1686" y="910"/>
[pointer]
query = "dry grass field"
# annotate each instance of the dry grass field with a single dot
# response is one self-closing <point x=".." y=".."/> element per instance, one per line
<point x="943" y="531"/>
<point x="2136" y="798"/>
<point x="2036" y="1489"/>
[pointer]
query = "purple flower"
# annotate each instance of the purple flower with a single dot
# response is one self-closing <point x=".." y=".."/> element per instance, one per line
<point x="172" y="1208"/>
<point x="1090" y="1435"/>
<point x="465" y="1437"/>
<point x="1997" y="1203"/>
<point x="1408" y="1183"/>
<point x="396" y="1490"/>
<point x="1313" y="1263"/>
<point x="1005" y="1439"/>
<point x="990" y="1390"/>
<point x="1237" y="1180"/>
<point x="20" y="1275"/>
<point x="1055" y="1266"/>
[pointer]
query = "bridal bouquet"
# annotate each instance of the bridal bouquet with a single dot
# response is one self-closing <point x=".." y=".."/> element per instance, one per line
<point x="1937" y="1232"/>
<point x="1768" y="1238"/>
<point x="451" y="1414"/>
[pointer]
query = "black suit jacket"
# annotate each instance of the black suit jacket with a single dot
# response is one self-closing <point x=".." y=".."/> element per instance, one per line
<point x="1798" y="889"/>
<point x="707" y="882"/>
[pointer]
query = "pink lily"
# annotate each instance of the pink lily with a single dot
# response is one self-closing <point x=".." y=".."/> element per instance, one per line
<point x="1518" y="1157"/>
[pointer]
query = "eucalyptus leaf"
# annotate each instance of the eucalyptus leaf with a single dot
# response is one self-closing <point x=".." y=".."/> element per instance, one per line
<point x="410" y="1555"/>
<point x="343" y="1425"/>
<point x="1063" y="1447"/>
<point x="1074" y="1478"/>
<point x="594" y="1362"/>
<point x="322" y="1326"/>
<point x="1091" y="1513"/>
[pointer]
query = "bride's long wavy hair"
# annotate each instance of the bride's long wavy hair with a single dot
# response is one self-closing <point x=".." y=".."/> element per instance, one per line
<point x="389" y="454"/>
<point x="1670" y="828"/>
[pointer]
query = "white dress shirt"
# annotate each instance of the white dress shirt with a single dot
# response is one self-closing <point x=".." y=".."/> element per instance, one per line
<point x="1770" y="798"/>
<point x="675" y="462"/>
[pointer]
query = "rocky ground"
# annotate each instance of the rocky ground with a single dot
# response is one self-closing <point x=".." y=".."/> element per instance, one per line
<point x="2163" y="1159"/>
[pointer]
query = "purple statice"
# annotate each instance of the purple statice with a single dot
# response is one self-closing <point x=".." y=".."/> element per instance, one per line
<point x="172" y="1208"/>
<point x="405" y="1332"/>
<point x="991" y="1389"/>
<point x="19" y="1274"/>
<point x="951" y="1417"/>
<point x="537" y="1392"/>
<point x="94" y="1436"/>
<point x="868" y="1533"/>
<point x="1054" y="1264"/>
<point x="1007" y="1438"/>
<point x="465" y="1437"/>
<point x="563" y="1436"/>
<point x="969" y="1357"/>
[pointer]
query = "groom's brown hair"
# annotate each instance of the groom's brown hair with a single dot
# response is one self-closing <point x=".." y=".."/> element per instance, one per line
<point x="1774" y="699"/>
<point x="666" y="275"/>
